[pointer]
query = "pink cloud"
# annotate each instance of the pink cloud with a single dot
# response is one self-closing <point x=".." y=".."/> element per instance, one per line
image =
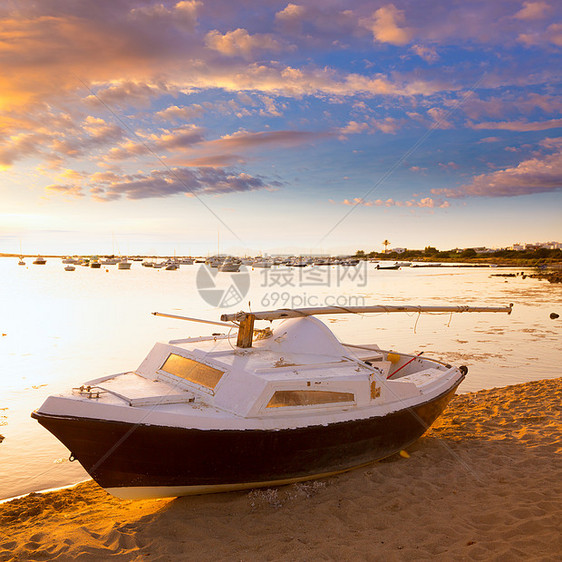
<point x="245" y="139"/>
<point x="428" y="54"/>
<point x="179" y="139"/>
<point x="519" y="125"/>
<point x="540" y="174"/>
<point x="385" y="25"/>
<point x="425" y="202"/>
<point x="552" y="34"/>
<point x="292" y="14"/>
<point x="129" y="93"/>
<point x="532" y="11"/>
<point x="440" y="118"/>
<point x="240" y="43"/>
<point x="449" y="165"/>
<point x="186" y="113"/>
<point x="187" y="181"/>
<point x="68" y="190"/>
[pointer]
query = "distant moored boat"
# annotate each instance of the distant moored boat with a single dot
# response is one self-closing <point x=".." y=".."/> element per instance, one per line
<point x="124" y="264"/>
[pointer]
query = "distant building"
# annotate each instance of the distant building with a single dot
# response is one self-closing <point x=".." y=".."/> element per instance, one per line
<point x="548" y="245"/>
<point x="398" y="250"/>
<point x="552" y="245"/>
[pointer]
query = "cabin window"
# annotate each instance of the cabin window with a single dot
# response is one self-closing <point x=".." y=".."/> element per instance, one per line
<point x="192" y="371"/>
<point x="284" y="398"/>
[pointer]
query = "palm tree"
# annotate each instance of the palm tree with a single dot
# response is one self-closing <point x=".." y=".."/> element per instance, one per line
<point x="385" y="244"/>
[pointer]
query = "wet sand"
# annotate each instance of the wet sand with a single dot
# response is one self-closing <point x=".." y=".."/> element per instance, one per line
<point x="485" y="483"/>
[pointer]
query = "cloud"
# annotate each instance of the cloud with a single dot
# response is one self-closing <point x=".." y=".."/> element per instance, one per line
<point x="291" y="13"/>
<point x="495" y="106"/>
<point x="230" y="149"/>
<point x="214" y="161"/>
<point x="56" y="139"/>
<point x="158" y="183"/>
<point x="240" y="43"/>
<point x="178" y="139"/>
<point x="552" y="34"/>
<point x="185" y="113"/>
<point x="385" y="23"/>
<point x="519" y="125"/>
<point x="317" y="25"/>
<point x="540" y="174"/>
<point x="440" y="118"/>
<point x="68" y="190"/>
<point x="244" y="139"/>
<point x="128" y="93"/>
<point x="532" y="11"/>
<point x="133" y="57"/>
<point x="182" y="14"/>
<point x="72" y="175"/>
<point x="20" y="146"/>
<point x="449" y="165"/>
<point x="427" y="202"/>
<point x="354" y="128"/>
<point x="428" y="54"/>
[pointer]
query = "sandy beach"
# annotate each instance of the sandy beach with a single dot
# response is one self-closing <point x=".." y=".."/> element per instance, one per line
<point x="485" y="483"/>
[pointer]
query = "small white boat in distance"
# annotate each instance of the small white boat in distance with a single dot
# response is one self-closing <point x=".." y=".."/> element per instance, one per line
<point x="21" y="262"/>
<point x="387" y="266"/>
<point x="69" y="268"/>
<point x="230" y="266"/>
<point x="203" y="415"/>
<point x="124" y="264"/>
<point x="39" y="260"/>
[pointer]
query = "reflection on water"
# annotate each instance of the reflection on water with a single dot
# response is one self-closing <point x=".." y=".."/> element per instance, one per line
<point x="59" y="329"/>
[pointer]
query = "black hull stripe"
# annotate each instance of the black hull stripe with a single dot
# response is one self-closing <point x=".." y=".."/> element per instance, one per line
<point x="170" y="456"/>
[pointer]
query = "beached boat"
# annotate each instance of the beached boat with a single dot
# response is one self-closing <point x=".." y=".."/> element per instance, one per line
<point x="387" y="266"/>
<point x="201" y="415"/>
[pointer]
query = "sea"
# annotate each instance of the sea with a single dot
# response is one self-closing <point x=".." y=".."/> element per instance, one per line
<point x="59" y="329"/>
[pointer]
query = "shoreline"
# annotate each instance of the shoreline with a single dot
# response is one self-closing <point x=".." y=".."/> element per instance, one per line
<point x="489" y="261"/>
<point x="484" y="482"/>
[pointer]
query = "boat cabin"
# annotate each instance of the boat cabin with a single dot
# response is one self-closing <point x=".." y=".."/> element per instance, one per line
<point x="300" y="369"/>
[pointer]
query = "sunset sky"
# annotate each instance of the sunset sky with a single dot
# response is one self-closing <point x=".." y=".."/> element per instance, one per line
<point x="314" y="126"/>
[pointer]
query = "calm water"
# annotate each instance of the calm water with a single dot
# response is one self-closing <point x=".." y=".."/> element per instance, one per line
<point x="61" y="328"/>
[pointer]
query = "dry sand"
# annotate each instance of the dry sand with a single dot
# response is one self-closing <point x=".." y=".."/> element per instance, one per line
<point x="485" y="483"/>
